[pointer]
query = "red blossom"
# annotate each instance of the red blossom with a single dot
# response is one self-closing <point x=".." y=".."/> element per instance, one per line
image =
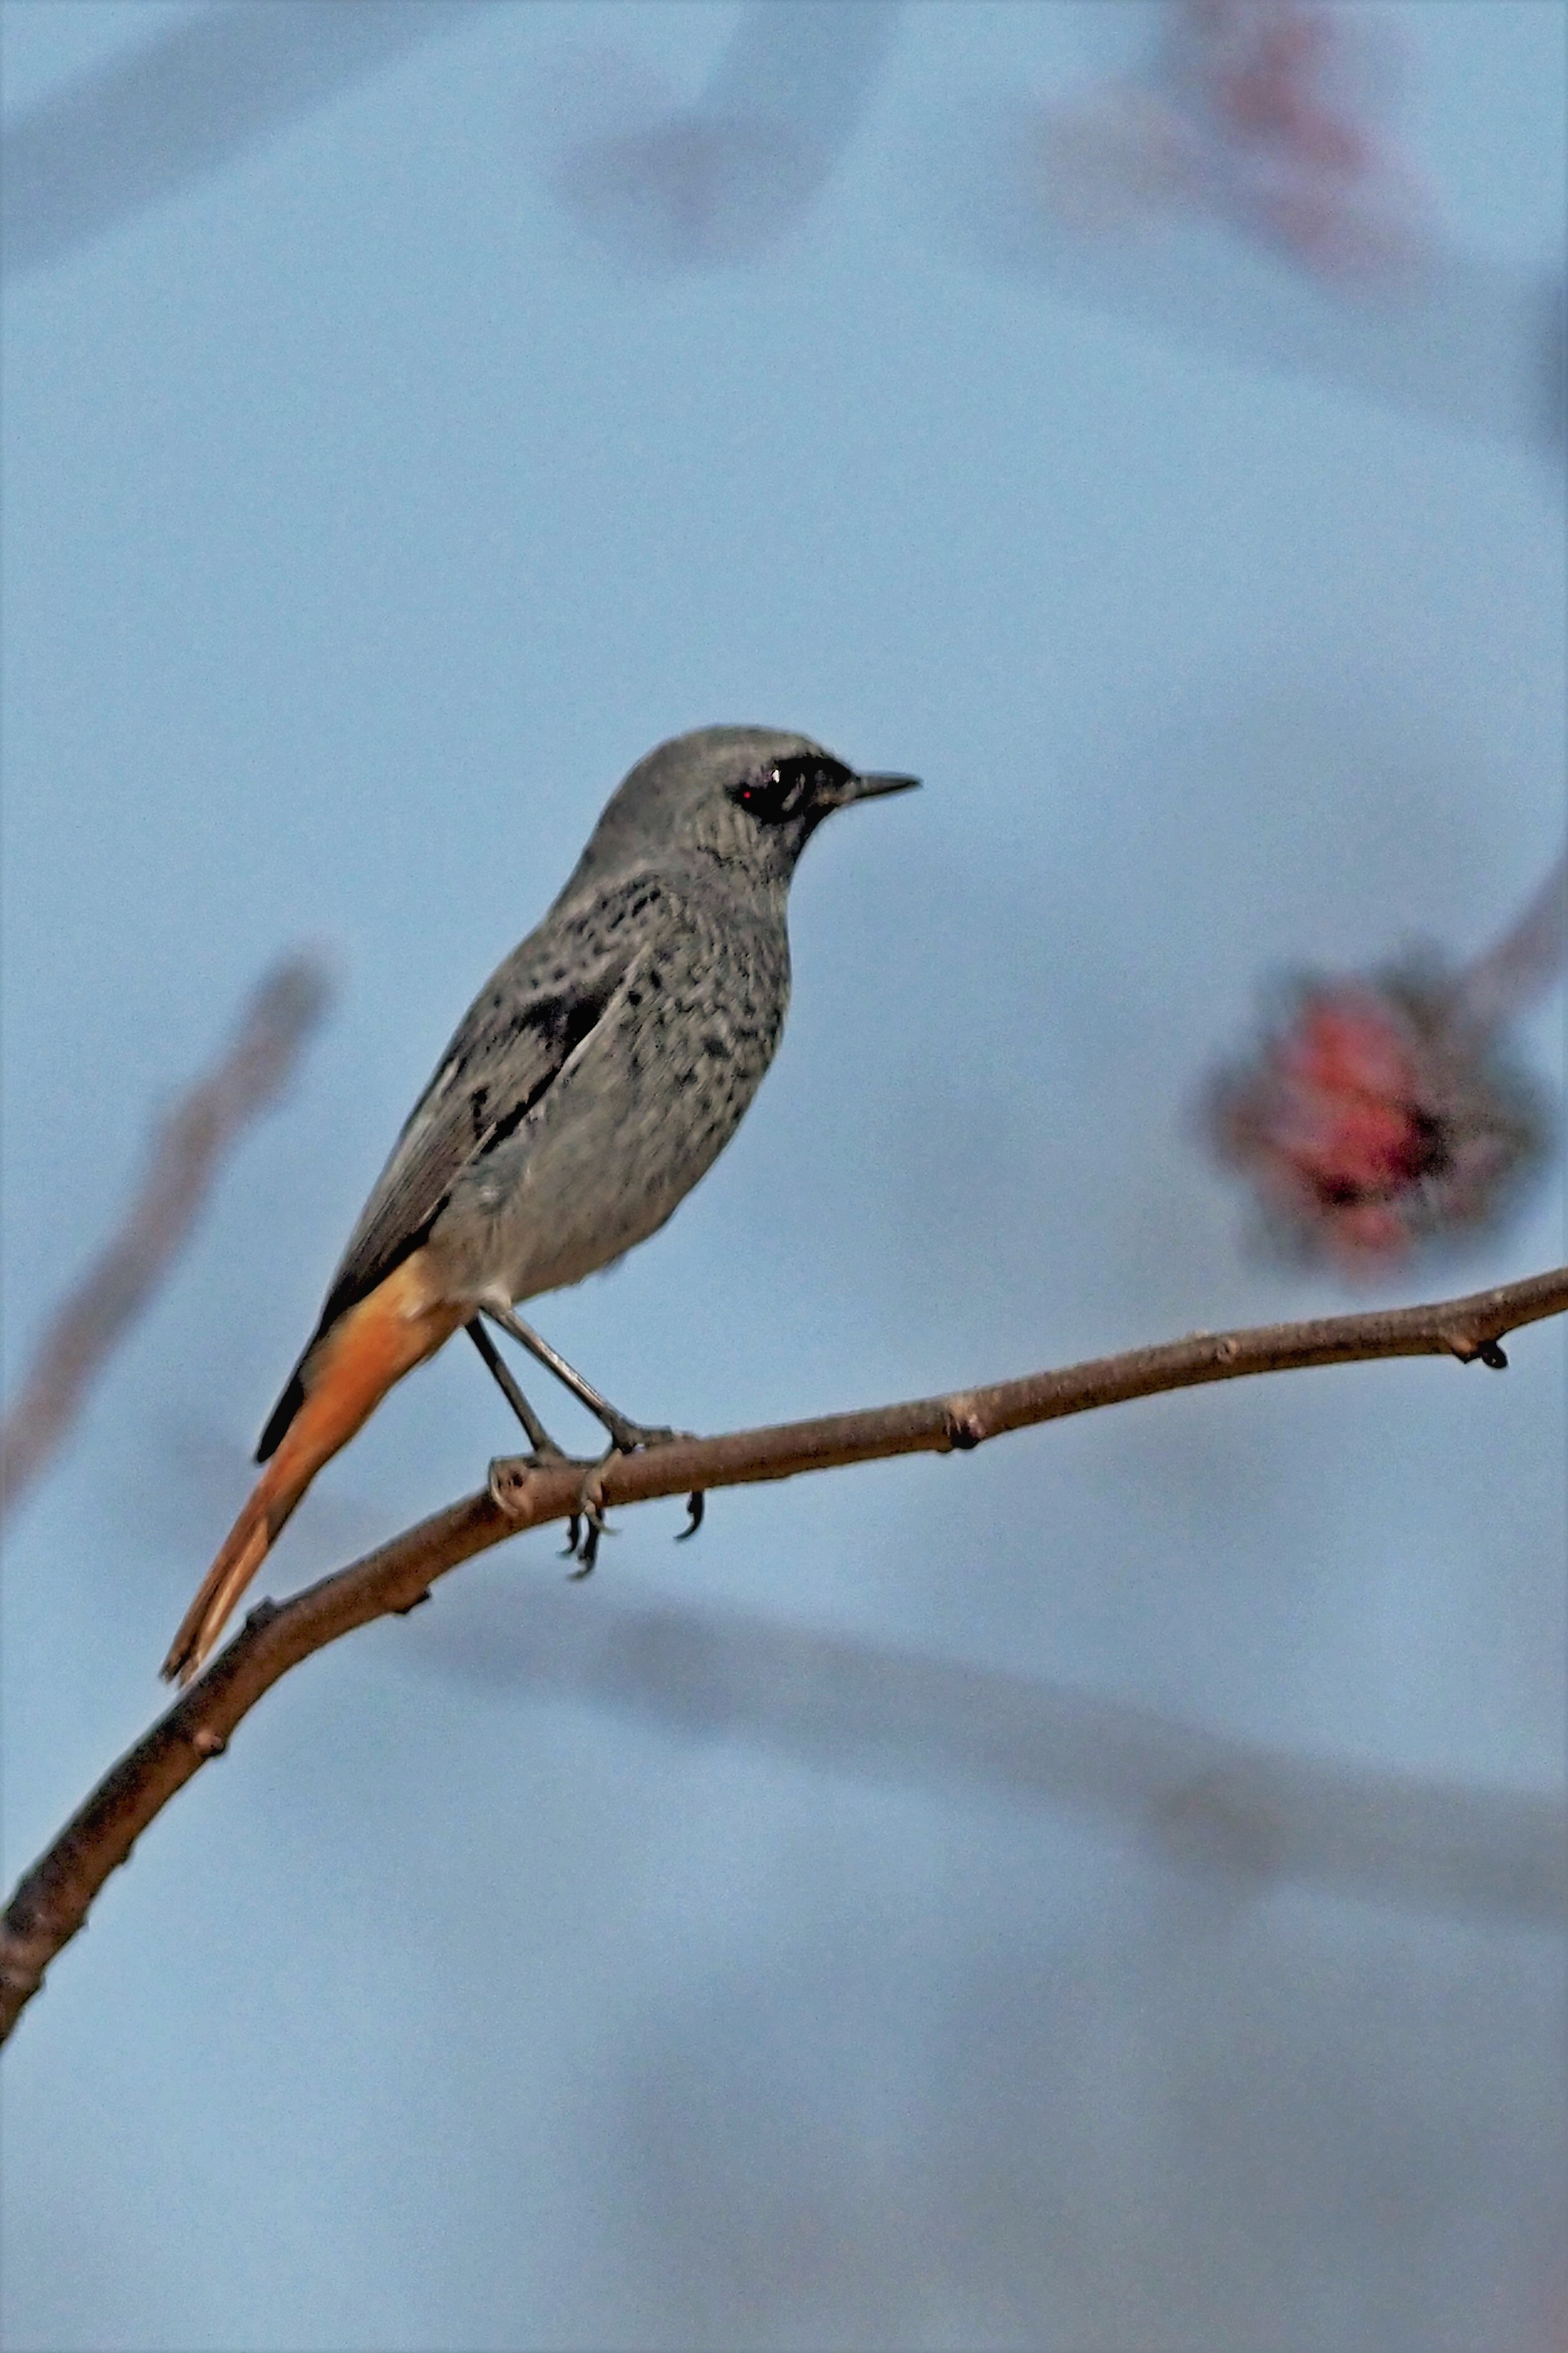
<point x="1256" y="113"/>
<point x="1374" y="1117"/>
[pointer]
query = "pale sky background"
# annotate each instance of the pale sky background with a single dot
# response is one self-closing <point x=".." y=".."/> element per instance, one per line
<point x="364" y="523"/>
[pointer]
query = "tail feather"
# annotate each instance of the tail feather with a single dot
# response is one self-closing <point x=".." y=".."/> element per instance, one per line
<point x="345" y="1377"/>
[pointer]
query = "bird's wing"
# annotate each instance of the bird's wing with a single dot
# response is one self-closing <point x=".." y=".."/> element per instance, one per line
<point x="508" y="1051"/>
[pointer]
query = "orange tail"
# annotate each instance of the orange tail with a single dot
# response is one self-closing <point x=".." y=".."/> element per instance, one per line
<point x="347" y="1375"/>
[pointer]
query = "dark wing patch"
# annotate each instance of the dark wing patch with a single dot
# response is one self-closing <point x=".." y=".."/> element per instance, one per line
<point x="563" y="1022"/>
<point x="512" y="1045"/>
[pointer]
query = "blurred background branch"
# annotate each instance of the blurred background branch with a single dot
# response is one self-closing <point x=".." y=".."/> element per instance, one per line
<point x="662" y="186"/>
<point x="1245" y="1816"/>
<point x="1521" y="966"/>
<point x="1238" y="187"/>
<point x="182" y="105"/>
<point x="187" y="1153"/>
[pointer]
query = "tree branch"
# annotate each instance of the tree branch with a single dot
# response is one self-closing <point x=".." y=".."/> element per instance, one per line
<point x="52" y="1900"/>
<point x="189" y="1145"/>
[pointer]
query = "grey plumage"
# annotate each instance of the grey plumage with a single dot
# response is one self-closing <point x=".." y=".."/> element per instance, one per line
<point x="608" y="1060"/>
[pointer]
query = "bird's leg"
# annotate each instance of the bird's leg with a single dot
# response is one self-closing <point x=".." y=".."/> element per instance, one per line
<point x="544" y="1449"/>
<point x="539" y="1438"/>
<point x="626" y="1437"/>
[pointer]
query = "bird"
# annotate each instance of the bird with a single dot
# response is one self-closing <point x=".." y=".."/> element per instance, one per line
<point x="597" y="1076"/>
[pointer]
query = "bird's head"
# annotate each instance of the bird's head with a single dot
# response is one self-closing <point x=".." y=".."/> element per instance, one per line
<point x="749" y="797"/>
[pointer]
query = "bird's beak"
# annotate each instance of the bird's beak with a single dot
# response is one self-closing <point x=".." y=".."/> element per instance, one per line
<point x="871" y="788"/>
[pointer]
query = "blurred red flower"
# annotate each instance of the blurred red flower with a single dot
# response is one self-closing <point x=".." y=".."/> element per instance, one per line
<point x="1376" y="1115"/>
<point x="1260" y="112"/>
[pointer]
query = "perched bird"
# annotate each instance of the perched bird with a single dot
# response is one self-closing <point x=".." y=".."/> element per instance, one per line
<point x="598" y="1075"/>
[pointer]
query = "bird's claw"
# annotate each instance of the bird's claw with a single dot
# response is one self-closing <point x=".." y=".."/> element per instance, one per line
<point x="587" y="1522"/>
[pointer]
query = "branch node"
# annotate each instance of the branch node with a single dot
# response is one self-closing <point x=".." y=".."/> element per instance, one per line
<point x="403" y="1607"/>
<point x="510" y="1476"/>
<point x="1226" y="1351"/>
<point x="207" y="1742"/>
<point x="961" y="1426"/>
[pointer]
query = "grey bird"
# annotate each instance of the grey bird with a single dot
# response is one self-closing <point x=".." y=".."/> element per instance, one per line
<point x="598" y="1075"/>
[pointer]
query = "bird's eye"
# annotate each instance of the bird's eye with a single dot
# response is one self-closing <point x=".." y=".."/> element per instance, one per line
<point x="786" y="789"/>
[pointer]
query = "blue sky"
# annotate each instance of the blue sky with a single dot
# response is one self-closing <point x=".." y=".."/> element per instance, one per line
<point x="363" y="524"/>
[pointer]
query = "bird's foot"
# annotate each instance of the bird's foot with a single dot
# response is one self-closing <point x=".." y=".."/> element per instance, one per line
<point x="632" y="1438"/>
<point x="543" y="1457"/>
<point x="696" y="1501"/>
<point x="587" y="1523"/>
